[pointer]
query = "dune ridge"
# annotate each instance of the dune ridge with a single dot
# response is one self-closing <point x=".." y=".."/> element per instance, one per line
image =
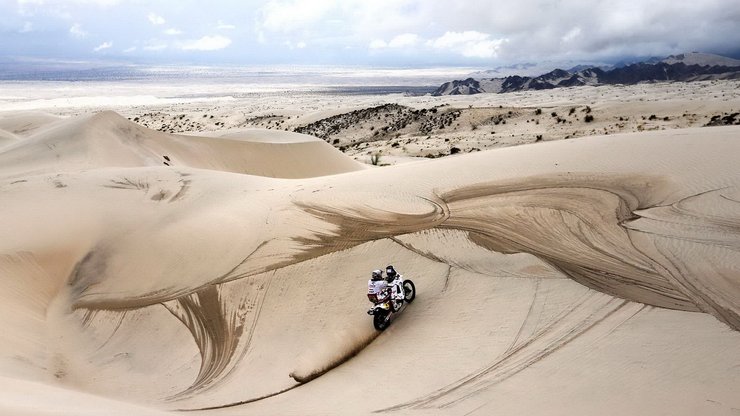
<point x="108" y="140"/>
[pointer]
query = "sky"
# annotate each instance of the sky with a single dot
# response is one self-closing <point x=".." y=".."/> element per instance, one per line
<point x="402" y="33"/>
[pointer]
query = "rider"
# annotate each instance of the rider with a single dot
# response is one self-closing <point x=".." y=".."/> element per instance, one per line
<point x="395" y="281"/>
<point x="376" y="285"/>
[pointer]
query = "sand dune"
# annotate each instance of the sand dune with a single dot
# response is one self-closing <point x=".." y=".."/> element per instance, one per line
<point x="7" y="138"/>
<point x="109" y="140"/>
<point x="592" y="275"/>
<point x="26" y="123"/>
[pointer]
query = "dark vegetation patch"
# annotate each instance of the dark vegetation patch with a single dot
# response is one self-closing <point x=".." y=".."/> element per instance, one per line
<point x="725" y="119"/>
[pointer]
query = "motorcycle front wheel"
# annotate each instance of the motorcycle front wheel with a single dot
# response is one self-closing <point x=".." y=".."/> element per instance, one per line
<point x="409" y="291"/>
<point x="381" y="321"/>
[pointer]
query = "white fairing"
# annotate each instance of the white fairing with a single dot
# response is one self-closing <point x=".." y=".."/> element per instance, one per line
<point x="397" y="286"/>
<point x="375" y="287"/>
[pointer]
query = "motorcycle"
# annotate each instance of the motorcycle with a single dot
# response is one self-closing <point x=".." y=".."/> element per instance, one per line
<point x="385" y="307"/>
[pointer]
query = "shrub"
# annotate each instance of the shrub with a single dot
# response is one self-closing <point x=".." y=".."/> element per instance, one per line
<point x="589" y="118"/>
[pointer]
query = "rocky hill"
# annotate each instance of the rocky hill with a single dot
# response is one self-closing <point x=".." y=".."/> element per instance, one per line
<point x="684" y="67"/>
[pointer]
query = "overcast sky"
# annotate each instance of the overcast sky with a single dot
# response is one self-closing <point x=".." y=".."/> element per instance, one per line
<point x="483" y="33"/>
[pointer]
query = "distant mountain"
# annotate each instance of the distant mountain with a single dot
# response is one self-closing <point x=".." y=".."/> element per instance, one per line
<point x="579" y="68"/>
<point x="517" y="69"/>
<point x="703" y="59"/>
<point x="684" y="67"/>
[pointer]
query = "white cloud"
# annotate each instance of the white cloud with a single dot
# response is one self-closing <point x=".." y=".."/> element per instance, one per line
<point x="27" y="27"/>
<point x="572" y="34"/>
<point x="207" y="43"/>
<point x="404" y="41"/>
<point x="294" y="15"/>
<point x="400" y="41"/>
<point x="291" y="45"/>
<point x="224" y="26"/>
<point x="84" y="2"/>
<point x="378" y="44"/>
<point x="61" y="9"/>
<point x="156" y="19"/>
<point x="155" y="47"/>
<point x="129" y="50"/>
<point x="76" y="31"/>
<point x="172" y="31"/>
<point x="104" y="45"/>
<point x="470" y="43"/>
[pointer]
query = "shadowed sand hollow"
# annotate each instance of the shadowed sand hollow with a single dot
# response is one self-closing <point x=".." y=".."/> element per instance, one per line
<point x="583" y="275"/>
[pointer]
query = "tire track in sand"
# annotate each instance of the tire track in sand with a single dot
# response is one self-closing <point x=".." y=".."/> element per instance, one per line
<point x="588" y="312"/>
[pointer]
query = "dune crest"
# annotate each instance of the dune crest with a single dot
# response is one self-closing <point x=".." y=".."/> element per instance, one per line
<point x="107" y="139"/>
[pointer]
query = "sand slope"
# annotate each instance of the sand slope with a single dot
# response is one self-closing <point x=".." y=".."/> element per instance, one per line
<point x="590" y="275"/>
<point x="26" y="123"/>
<point x="107" y="139"/>
<point x="7" y="138"/>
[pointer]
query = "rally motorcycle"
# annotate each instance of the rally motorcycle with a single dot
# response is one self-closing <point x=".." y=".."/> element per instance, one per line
<point x="385" y="306"/>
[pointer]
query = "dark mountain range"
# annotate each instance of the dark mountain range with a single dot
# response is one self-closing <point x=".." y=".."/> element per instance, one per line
<point x="684" y="67"/>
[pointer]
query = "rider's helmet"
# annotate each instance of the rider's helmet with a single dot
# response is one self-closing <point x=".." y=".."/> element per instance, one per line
<point x="391" y="272"/>
<point x="377" y="275"/>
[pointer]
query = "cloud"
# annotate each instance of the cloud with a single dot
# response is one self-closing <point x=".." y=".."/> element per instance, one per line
<point x="378" y="44"/>
<point x="400" y="41"/>
<point x="104" y="3"/>
<point x="129" y="50"/>
<point x="27" y="27"/>
<point x="294" y="15"/>
<point x="224" y="26"/>
<point x="404" y="41"/>
<point x="571" y="35"/>
<point x="76" y="31"/>
<point x="385" y="31"/>
<point x="156" y="19"/>
<point x="104" y="45"/>
<point x="207" y="43"/>
<point x="291" y="45"/>
<point x="60" y="9"/>
<point x="155" y="47"/>
<point x="470" y="44"/>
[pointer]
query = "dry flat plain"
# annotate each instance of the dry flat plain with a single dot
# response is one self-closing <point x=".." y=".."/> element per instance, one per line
<point x="211" y="255"/>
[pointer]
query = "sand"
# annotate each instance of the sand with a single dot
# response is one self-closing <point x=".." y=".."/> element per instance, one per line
<point x="223" y="271"/>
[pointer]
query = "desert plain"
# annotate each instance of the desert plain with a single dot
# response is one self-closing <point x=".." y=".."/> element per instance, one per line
<point x="169" y="251"/>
